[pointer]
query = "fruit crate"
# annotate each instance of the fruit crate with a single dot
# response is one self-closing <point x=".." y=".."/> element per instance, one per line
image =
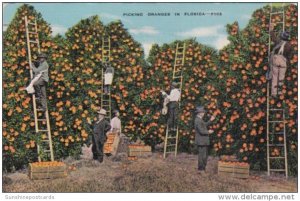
<point x="139" y="150"/>
<point x="111" y="144"/>
<point x="234" y="169"/>
<point x="47" y="170"/>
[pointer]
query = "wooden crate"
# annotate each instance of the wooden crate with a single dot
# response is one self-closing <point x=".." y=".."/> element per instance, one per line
<point x="234" y="169"/>
<point x="139" y="150"/>
<point x="47" y="170"/>
<point x="111" y="144"/>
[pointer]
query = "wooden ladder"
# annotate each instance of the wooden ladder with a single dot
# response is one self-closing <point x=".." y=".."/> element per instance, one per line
<point x="44" y="147"/>
<point x="106" y="97"/>
<point x="273" y="159"/>
<point x="171" y="138"/>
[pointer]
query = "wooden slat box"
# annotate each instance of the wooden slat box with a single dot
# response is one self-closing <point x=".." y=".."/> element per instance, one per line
<point x="111" y="144"/>
<point x="234" y="169"/>
<point x="47" y="170"/>
<point x="139" y="150"/>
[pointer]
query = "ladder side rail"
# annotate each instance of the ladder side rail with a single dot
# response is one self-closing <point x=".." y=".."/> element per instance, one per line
<point x="31" y="73"/>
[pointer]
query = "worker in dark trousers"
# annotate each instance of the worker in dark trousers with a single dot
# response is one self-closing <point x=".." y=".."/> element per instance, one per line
<point x="108" y="77"/>
<point x="41" y="67"/>
<point x="202" y="137"/>
<point x="279" y="59"/>
<point x="173" y="105"/>
<point x="101" y="127"/>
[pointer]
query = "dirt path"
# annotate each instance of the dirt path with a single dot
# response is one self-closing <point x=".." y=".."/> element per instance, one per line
<point x="152" y="174"/>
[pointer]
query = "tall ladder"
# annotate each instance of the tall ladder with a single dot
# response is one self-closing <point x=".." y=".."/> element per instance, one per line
<point x="105" y="97"/>
<point x="171" y="138"/>
<point x="44" y="147"/>
<point x="280" y="158"/>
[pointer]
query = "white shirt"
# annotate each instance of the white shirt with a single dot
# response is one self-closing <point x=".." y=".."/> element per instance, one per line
<point x="174" y="95"/>
<point x="115" y="124"/>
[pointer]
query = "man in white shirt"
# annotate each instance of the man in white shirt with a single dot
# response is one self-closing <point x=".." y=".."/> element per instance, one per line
<point x="108" y="77"/>
<point x="173" y="105"/>
<point x="116" y="123"/>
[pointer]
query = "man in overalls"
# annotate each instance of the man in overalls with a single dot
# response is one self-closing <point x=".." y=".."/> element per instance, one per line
<point x="279" y="58"/>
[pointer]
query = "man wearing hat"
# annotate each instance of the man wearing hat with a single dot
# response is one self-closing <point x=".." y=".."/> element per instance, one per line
<point x="40" y="68"/>
<point x="202" y="138"/>
<point x="101" y="127"/>
<point x="279" y="58"/>
<point x="173" y="105"/>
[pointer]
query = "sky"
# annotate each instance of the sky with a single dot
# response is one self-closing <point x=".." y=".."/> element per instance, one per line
<point x="207" y="29"/>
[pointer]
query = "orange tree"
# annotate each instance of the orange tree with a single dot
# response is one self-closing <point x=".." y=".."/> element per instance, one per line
<point x="85" y="55"/>
<point x="244" y="63"/>
<point x="198" y="73"/>
<point x="19" y="138"/>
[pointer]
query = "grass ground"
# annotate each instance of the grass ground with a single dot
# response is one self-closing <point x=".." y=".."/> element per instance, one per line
<point x="153" y="174"/>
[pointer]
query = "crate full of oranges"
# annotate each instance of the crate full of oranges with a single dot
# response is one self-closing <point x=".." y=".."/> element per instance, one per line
<point x="47" y="170"/>
<point x="234" y="169"/>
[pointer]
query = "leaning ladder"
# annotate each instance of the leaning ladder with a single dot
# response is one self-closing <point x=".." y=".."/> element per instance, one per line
<point x="171" y="138"/>
<point x="44" y="147"/>
<point x="272" y="118"/>
<point x="105" y="97"/>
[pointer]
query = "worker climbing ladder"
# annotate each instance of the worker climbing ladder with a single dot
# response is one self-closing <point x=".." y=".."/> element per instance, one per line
<point x="41" y="118"/>
<point x="106" y="97"/>
<point x="171" y="138"/>
<point x="276" y="128"/>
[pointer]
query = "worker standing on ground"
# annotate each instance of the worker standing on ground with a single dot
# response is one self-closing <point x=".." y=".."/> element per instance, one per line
<point x="101" y="127"/>
<point x="40" y="80"/>
<point x="173" y="105"/>
<point x="108" y="77"/>
<point x="279" y="58"/>
<point x="202" y="137"/>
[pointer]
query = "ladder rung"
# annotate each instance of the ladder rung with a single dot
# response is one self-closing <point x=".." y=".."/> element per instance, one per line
<point x="276" y="145"/>
<point x="47" y="150"/>
<point x="31" y="23"/>
<point x="33" y="41"/>
<point x="279" y="157"/>
<point x="170" y="145"/>
<point x="40" y="110"/>
<point x="30" y="32"/>
<point x="41" y="119"/>
<point x="171" y="137"/>
<point x="276" y="121"/>
<point x="42" y="130"/>
<point x="275" y="13"/>
<point x="45" y="140"/>
<point x="278" y="170"/>
<point x="169" y="152"/>
<point x="275" y="109"/>
<point x="175" y="77"/>
<point x="277" y="133"/>
<point x="180" y="65"/>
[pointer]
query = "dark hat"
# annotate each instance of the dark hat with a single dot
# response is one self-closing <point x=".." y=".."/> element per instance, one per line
<point x="200" y="109"/>
<point x="285" y="35"/>
<point x="115" y="112"/>
<point x="42" y="55"/>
